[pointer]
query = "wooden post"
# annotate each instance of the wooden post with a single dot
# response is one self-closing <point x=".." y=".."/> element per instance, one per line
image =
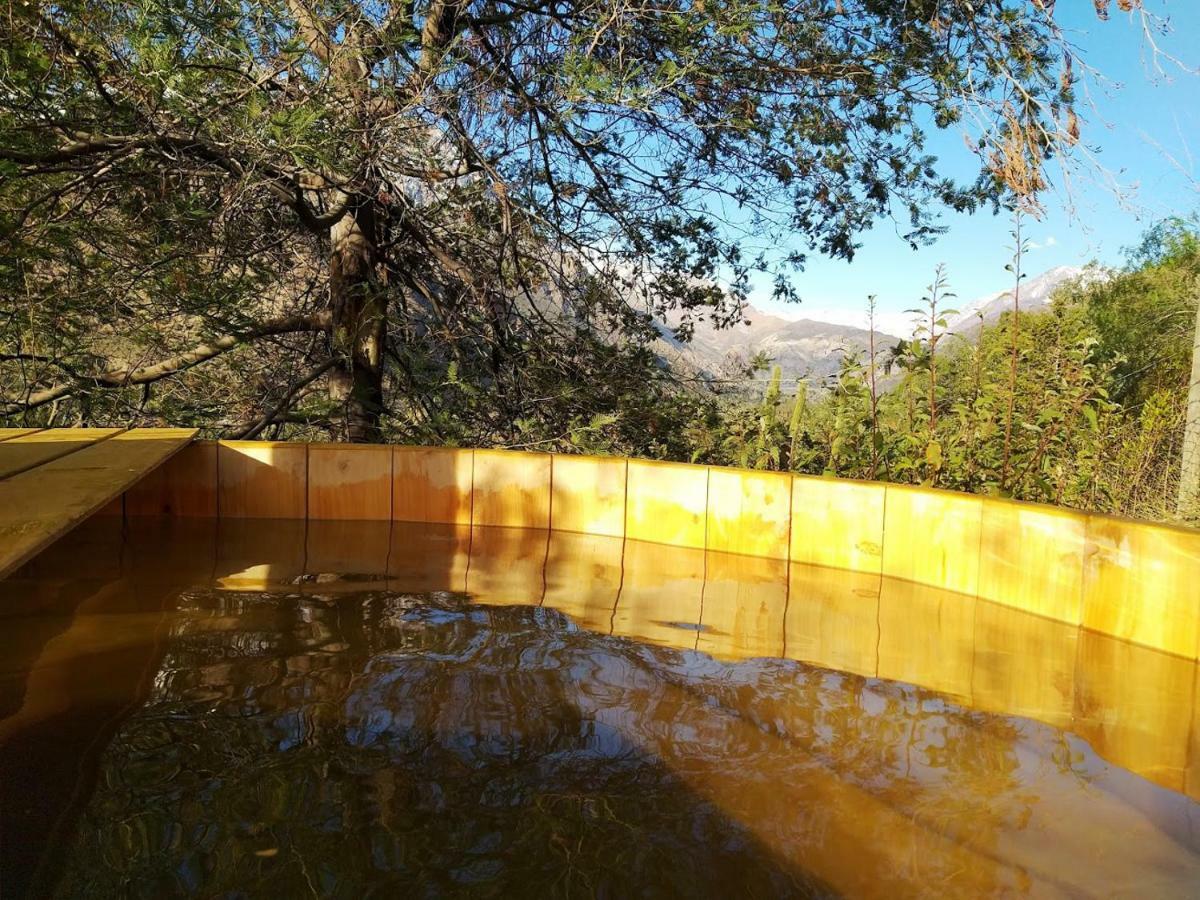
<point x="1189" y="476"/>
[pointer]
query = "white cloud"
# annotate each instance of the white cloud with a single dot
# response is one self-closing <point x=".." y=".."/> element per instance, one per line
<point x="1051" y="241"/>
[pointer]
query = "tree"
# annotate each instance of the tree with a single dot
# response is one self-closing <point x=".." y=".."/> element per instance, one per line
<point x="362" y="195"/>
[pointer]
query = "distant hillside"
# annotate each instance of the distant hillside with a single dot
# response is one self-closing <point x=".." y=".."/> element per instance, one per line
<point x="803" y="348"/>
<point x="1035" y="294"/>
<point x="813" y="349"/>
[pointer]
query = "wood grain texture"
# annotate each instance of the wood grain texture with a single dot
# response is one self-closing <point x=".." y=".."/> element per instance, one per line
<point x="511" y="489"/>
<point x="837" y="523"/>
<point x="432" y="484"/>
<point x="7" y="434"/>
<point x="262" y="480"/>
<point x="1191" y="778"/>
<point x="1141" y="583"/>
<point x="749" y="513"/>
<point x="667" y="503"/>
<point x="185" y="485"/>
<point x="24" y="452"/>
<point x="588" y="495"/>
<point x="932" y="537"/>
<point x="1031" y="558"/>
<point x="113" y="509"/>
<point x="42" y="504"/>
<point x="350" y="481"/>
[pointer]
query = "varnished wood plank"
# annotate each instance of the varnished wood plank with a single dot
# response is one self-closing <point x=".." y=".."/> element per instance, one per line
<point x="183" y="486"/>
<point x="511" y="489"/>
<point x="837" y="523"/>
<point x="432" y="484"/>
<point x="1134" y="706"/>
<point x="262" y="480"/>
<point x="1141" y="583"/>
<point x="350" y="481"/>
<point x="749" y="512"/>
<point x="42" y="504"/>
<point x="668" y="503"/>
<point x="932" y="537"/>
<point x="25" y="452"/>
<point x="1031" y="558"/>
<point x="589" y="495"/>
<point x="7" y="434"/>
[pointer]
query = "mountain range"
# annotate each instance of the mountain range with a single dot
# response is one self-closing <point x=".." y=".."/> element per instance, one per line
<point x="812" y="348"/>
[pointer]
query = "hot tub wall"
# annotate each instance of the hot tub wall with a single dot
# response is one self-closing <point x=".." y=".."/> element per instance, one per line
<point x="1132" y="580"/>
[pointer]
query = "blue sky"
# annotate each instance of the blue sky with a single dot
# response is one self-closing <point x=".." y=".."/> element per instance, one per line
<point x="1144" y="129"/>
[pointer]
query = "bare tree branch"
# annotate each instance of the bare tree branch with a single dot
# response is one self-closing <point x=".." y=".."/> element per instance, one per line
<point x="118" y="378"/>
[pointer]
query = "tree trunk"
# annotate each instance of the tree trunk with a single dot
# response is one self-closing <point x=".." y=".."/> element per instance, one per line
<point x="358" y="323"/>
<point x="1189" y="479"/>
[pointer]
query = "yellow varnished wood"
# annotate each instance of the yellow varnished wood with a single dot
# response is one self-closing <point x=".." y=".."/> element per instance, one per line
<point x="833" y="618"/>
<point x="588" y="495"/>
<point x="1127" y="579"/>
<point x="836" y="523"/>
<point x="927" y="637"/>
<point x="24" y="452"/>
<point x="1023" y="664"/>
<point x="262" y="480"/>
<point x="508" y="565"/>
<point x="40" y="505"/>
<point x="432" y="484"/>
<point x="1142" y="584"/>
<point x="1135" y="705"/>
<point x="583" y="577"/>
<point x="661" y="594"/>
<point x="667" y="503"/>
<point x="511" y="489"/>
<point x="1191" y="778"/>
<point x="1031" y="558"/>
<point x="428" y="557"/>
<point x="185" y="485"/>
<point x="350" y="481"/>
<point x="749" y="512"/>
<point x="745" y="600"/>
<point x="114" y="508"/>
<point x="7" y="434"/>
<point x="932" y="537"/>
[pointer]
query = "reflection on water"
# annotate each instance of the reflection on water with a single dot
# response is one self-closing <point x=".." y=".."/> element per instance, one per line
<point x="348" y="708"/>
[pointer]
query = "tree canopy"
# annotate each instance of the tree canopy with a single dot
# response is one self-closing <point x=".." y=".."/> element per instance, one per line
<point x="352" y="217"/>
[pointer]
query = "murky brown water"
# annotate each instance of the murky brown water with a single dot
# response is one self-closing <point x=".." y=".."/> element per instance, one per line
<point x="265" y="709"/>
